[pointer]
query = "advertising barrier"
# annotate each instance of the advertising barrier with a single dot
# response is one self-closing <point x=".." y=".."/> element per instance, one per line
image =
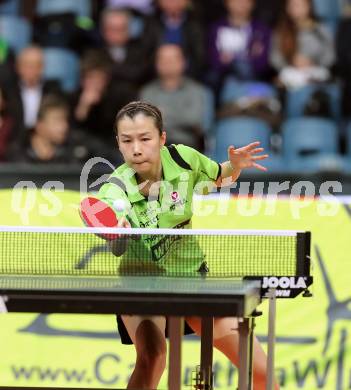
<point x="313" y="347"/>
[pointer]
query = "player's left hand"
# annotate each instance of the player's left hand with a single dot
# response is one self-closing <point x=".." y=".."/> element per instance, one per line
<point x="246" y="157"/>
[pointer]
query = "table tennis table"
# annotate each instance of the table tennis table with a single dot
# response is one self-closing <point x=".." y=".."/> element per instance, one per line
<point x="71" y="270"/>
<point x="171" y="297"/>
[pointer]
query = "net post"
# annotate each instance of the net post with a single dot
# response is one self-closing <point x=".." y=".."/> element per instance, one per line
<point x="303" y="248"/>
<point x="271" y="338"/>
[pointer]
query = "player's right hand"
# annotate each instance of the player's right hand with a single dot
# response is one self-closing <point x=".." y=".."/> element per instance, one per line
<point x="123" y="223"/>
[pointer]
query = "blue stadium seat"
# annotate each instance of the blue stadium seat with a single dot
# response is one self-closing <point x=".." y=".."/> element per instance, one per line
<point x="239" y="132"/>
<point x="16" y="31"/>
<point x="10" y="7"/>
<point x="311" y="144"/>
<point x="297" y="99"/>
<point x="275" y="163"/>
<point x="78" y="7"/>
<point x="62" y="65"/>
<point x="233" y="90"/>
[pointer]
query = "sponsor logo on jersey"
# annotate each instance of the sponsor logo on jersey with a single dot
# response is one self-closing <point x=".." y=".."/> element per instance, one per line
<point x="175" y="196"/>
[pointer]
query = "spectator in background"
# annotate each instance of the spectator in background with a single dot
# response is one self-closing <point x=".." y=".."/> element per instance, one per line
<point x="6" y="126"/>
<point x="131" y="63"/>
<point x="52" y="141"/>
<point x="26" y="94"/>
<point x="175" y="23"/>
<point x="303" y="49"/>
<point x="99" y="97"/>
<point x="182" y="100"/>
<point x="238" y="45"/>
<point x="46" y="141"/>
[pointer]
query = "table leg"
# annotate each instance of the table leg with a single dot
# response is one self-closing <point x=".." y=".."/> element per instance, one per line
<point x="206" y="352"/>
<point x="271" y="339"/>
<point x="175" y="333"/>
<point x="251" y="344"/>
<point x="245" y="353"/>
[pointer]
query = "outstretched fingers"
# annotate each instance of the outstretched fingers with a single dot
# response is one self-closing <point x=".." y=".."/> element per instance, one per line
<point x="259" y="166"/>
<point x="262" y="157"/>
<point x="257" y="150"/>
<point x="251" y="146"/>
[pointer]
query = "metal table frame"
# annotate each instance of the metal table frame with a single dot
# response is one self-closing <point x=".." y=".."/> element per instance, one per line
<point x="175" y="305"/>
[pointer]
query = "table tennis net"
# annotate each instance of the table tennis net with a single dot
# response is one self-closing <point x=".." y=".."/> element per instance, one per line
<point x="165" y="252"/>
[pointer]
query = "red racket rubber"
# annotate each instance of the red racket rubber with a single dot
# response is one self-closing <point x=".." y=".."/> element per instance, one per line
<point x="98" y="214"/>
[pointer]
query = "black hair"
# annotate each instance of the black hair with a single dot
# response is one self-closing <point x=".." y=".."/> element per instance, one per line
<point x="52" y="102"/>
<point x="134" y="108"/>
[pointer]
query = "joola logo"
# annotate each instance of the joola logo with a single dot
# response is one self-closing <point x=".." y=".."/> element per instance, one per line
<point x="284" y="282"/>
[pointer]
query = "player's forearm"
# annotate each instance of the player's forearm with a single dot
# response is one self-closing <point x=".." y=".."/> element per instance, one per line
<point x="229" y="171"/>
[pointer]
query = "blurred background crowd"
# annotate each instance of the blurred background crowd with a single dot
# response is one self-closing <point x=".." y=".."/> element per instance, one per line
<point x="222" y="71"/>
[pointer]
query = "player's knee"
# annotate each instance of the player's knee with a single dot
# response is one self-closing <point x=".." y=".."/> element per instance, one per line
<point x="151" y="348"/>
<point x="152" y="362"/>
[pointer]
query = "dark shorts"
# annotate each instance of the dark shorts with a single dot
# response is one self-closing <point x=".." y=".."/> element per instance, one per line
<point x="203" y="269"/>
<point x="127" y="340"/>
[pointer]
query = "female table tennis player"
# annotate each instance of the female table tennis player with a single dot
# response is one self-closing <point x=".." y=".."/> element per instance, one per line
<point x="141" y="140"/>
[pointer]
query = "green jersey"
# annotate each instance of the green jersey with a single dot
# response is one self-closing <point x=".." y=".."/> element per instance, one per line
<point x="185" y="172"/>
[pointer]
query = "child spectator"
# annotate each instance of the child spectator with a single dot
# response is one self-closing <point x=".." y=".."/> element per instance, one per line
<point x="52" y="141"/>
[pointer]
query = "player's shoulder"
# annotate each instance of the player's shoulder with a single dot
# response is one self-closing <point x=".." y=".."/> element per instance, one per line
<point x="188" y="154"/>
<point x="120" y="171"/>
<point x="115" y="185"/>
<point x="186" y="151"/>
<point x="196" y="160"/>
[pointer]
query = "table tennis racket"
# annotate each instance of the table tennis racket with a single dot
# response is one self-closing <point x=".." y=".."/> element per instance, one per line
<point x="98" y="214"/>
